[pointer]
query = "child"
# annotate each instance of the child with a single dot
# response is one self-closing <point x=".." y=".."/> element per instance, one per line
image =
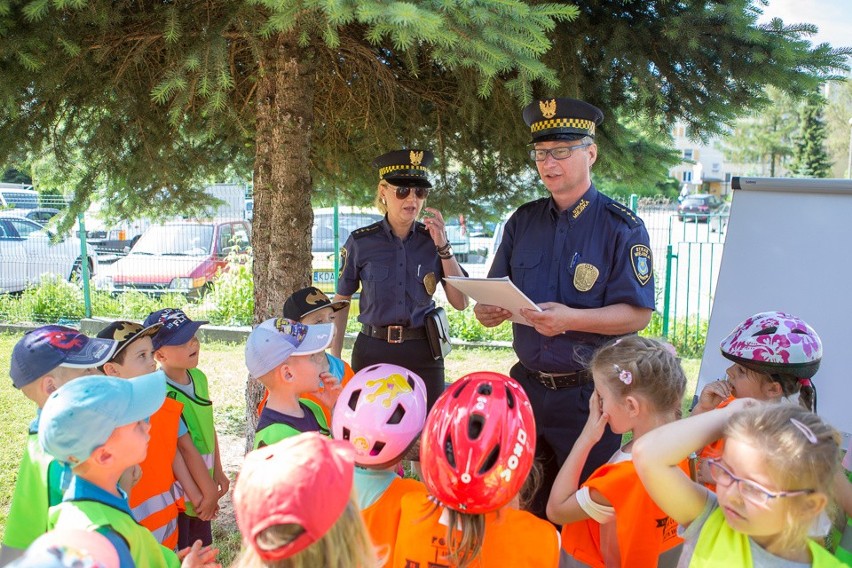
<point x="176" y="350"/>
<point x="381" y="411"/>
<point x="775" y="357"/>
<point x="42" y="361"/>
<point x="771" y="481"/>
<point x="610" y="520"/>
<point x="152" y="498"/>
<point x="311" y="306"/>
<point x="99" y="426"/>
<point x="288" y="359"/>
<point x="295" y="506"/>
<point x="477" y="449"/>
<point x="69" y="548"/>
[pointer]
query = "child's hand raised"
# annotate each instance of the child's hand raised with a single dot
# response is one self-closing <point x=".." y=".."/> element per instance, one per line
<point x="597" y="421"/>
<point x="712" y="395"/>
<point x="198" y="556"/>
<point x="330" y="390"/>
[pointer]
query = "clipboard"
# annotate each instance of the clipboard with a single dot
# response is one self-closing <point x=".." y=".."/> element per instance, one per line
<point x="495" y="291"/>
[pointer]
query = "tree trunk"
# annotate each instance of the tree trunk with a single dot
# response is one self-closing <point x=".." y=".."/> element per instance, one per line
<point x="281" y="233"/>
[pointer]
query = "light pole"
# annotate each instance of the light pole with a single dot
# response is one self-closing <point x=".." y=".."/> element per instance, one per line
<point x="849" y="166"/>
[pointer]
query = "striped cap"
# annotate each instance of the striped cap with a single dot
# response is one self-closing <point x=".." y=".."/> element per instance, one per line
<point x="561" y="119"/>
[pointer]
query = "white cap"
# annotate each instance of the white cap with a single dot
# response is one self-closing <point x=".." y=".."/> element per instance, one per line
<point x="275" y="340"/>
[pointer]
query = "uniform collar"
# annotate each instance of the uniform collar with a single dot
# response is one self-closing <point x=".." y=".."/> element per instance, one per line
<point x="389" y="230"/>
<point x="575" y="210"/>
<point x="82" y="490"/>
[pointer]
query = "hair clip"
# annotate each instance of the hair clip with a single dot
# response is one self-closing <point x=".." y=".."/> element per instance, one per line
<point x="804" y="429"/>
<point x="624" y="375"/>
<point x="805" y="383"/>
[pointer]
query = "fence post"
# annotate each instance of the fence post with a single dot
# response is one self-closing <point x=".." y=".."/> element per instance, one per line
<point x="634" y="202"/>
<point x="668" y="290"/>
<point x="336" y="240"/>
<point x="84" y="267"/>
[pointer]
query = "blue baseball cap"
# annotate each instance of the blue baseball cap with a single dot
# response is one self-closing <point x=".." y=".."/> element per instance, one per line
<point x="275" y="340"/>
<point x="50" y="346"/>
<point x="177" y="327"/>
<point x="81" y="415"/>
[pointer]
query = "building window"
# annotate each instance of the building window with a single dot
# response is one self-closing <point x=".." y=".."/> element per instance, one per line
<point x="687" y="176"/>
<point x="687" y="153"/>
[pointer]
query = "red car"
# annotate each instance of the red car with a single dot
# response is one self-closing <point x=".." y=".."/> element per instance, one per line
<point x="182" y="256"/>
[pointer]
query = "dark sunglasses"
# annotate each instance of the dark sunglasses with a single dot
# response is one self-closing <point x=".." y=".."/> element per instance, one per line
<point x="403" y="192"/>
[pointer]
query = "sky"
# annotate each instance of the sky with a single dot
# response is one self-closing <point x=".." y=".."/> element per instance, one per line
<point x="832" y="17"/>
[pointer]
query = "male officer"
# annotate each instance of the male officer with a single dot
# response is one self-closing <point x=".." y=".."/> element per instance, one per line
<point x="586" y="261"/>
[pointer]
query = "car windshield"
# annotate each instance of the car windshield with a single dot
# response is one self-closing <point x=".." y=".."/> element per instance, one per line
<point x="694" y="202"/>
<point x="176" y="240"/>
<point x="20" y="200"/>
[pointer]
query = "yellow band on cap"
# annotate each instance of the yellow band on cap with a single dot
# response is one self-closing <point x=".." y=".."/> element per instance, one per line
<point x="581" y="123"/>
<point x="389" y="169"/>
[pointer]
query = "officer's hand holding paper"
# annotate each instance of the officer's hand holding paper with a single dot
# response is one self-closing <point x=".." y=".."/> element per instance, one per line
<point x="500" y="292"/>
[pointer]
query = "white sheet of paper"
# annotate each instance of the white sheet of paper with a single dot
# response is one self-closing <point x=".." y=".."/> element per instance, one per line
<point x="495" y="291"/>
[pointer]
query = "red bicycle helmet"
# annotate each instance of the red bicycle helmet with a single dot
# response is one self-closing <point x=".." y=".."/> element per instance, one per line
<point x="478" y="445"/>
<point x="381" y="410"/>
<point x="773" y="343"/>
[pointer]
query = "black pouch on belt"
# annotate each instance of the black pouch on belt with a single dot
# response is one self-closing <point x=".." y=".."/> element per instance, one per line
<point x="438" y="333"/>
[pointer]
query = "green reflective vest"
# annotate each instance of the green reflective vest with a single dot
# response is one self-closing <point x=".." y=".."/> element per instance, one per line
<point x="94" y="515"/>
<point x="278" y="431"/>
<point x="198" y="416"/>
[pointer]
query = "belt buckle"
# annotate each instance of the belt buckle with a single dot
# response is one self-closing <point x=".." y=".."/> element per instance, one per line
<point x="395" y="334"/>
<point x="545" y="378"/>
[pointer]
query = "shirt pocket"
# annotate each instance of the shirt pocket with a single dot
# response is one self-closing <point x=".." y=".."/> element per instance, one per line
<point x="526" y="270"/>
<point x="374" y="278"/>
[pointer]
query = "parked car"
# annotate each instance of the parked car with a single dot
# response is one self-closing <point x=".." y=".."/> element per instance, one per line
<point x="28" y="252"/>
<point x="699" y="207"/>
<point x="42" y="215"/>
<point x="181" y="256"/>
<point x="322" y="234"/>
<point x="458" y="235"/>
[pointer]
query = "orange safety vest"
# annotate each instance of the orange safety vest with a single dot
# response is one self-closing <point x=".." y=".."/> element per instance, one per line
<point x="714" y="449"/>
<point x="642" y="530"/>
<point x="512" y="538"/>
<point x="152" y="499"/>
<point x="347" y="374"/>
<point x="382" y="517"/>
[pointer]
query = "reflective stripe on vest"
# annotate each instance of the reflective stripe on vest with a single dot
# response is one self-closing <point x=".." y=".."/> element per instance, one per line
<point x="167" y="533"/>
<point x="153" y="505"/>
<point x="208" y="460"/>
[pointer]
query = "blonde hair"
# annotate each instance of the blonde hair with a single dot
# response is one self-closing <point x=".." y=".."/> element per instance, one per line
<point x="797" y="456"/>
<point x="464" y="545"/>
<point x="346" y="545"/>
<point x="638" y="365"/>
<point x="381" y="205"/>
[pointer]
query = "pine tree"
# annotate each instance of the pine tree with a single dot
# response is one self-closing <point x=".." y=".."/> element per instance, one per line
<point x="810" y="158"/>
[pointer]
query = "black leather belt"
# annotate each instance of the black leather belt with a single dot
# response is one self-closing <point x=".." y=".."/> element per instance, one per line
<point x="394" y="333"/>
<point x="555" y="381"/>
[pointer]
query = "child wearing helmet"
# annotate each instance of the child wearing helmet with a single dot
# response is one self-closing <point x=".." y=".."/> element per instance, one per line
<point x="610" y="520"/>
<point x="775" y="357"/>
<point x="381" y="411"/>
<point x="477" y="449"/>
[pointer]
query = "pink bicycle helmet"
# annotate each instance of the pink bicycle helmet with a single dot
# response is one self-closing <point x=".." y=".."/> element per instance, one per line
<point x="478" y="445"/>
<point x="775" y="343"/>
<point x="381" y="410"/>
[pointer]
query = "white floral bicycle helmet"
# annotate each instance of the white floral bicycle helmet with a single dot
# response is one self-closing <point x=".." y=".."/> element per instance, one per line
<point x="381" y="410"/>
<point x="775" y="343"/>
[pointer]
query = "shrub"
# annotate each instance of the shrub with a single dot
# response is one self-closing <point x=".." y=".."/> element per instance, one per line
<point x="231" y="298"/>
<point x="465" y="326"/>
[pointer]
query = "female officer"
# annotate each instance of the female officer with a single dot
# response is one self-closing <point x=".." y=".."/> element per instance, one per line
<point x="398" y="263"/>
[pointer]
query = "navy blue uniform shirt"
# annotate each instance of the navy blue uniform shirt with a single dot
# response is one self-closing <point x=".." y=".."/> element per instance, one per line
<point x="595" y="253"/>
<point x="398" y="276"/>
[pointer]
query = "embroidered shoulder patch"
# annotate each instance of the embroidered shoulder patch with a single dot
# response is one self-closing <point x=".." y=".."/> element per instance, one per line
<point x="344" y="256"/>
<point x="368" y="230"/>
<point x="625" y="213"/>
<point x="640" y="258"/>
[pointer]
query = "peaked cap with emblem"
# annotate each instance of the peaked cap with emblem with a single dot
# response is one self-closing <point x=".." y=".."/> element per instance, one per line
<point x="561" y="119"/>
<point x="405" y="167"/>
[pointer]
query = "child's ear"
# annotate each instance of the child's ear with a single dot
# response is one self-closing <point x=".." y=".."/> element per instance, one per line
<point x="158" y="356"/>
<point x="814" y="504"/>
<point x="48" y="384"/>
<point x="111" y="369"/>
<point x="101" y="456"/>
<point x="772" y="389"/>
<point x="632" y="405"/>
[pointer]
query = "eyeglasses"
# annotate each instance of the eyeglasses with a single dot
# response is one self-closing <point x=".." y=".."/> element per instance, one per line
<point x="561" y="153"/>
<point x="750" y="490"/>
<point x="403" y="192"/>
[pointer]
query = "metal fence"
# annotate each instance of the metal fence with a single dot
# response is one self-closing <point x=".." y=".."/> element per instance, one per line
<point x="133" y="268"/>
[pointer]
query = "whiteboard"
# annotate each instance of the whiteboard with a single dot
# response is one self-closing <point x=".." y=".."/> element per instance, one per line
<point x="789" y="248"/>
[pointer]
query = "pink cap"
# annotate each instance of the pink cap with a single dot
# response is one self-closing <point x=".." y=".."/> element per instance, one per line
<point x="304" y="480"/>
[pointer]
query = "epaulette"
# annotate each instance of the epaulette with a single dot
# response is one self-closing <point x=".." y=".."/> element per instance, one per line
<point x="533" y="203"/>
<point x="624" y="213"/>
<point x="368" y="230"/>
<point x="421" y="228"/>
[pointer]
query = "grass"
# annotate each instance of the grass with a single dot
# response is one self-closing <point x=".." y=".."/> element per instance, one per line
<point x="224" y="365"/>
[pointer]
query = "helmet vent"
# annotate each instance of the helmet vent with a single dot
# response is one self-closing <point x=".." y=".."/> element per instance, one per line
<point x="371" y="369"/>
<point x="353" y="399"/>
<point x="460" y="389"/>
<point x="767" y="331"/>
<point x="484" y="389"/>
<point x="475" y="425"/>
<point x="346" y="433"/>
<point x="397" y="415"/>
<point x="490" y="460"/>
<point x="449" y="453"/>
<point x="377" y="448"/>
<point x="510" y="398"/>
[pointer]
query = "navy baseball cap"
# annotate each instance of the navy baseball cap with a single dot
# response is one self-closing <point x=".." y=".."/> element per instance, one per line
<point x="177" y="327"/>
<point x="307" y="301"/>
<point x="50" y="346"/>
